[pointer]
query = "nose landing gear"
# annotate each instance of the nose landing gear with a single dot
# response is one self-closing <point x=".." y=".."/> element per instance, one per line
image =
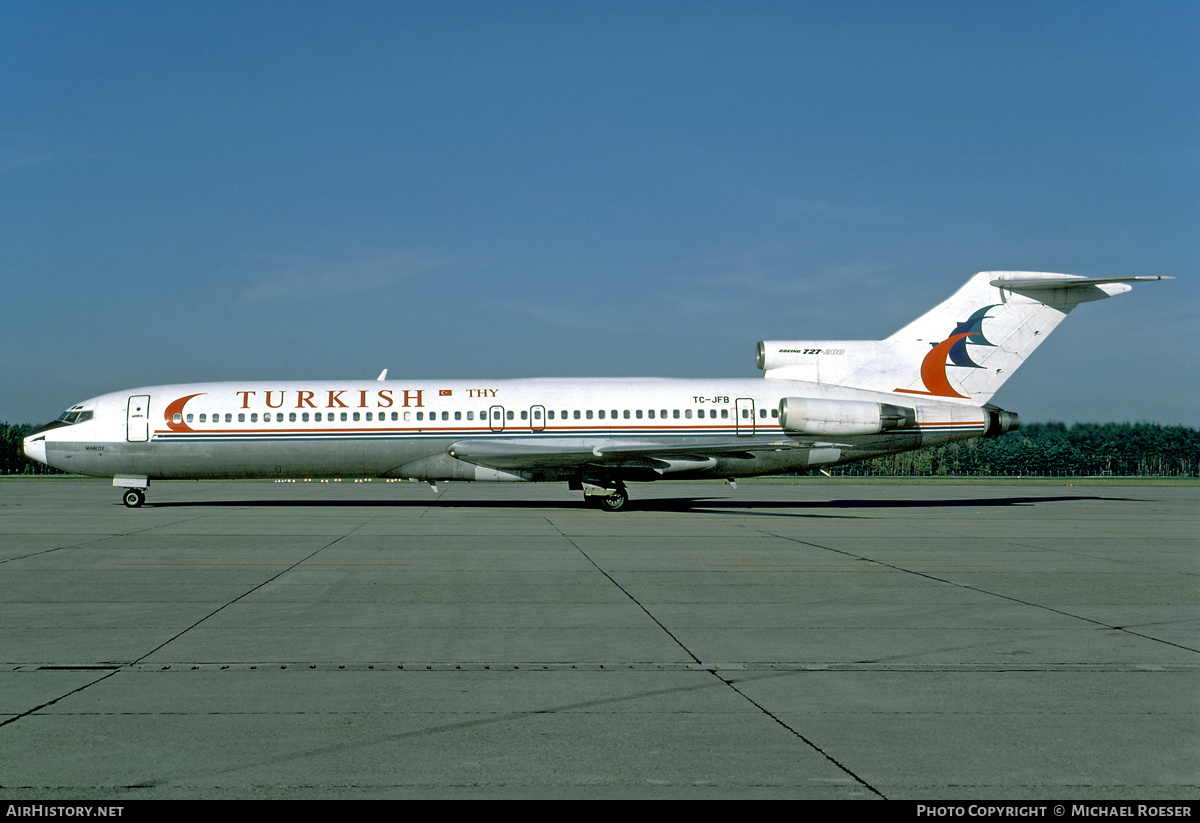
<point x="134" y="494"/>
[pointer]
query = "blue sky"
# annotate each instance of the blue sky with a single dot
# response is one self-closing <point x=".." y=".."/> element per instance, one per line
<point x="288" y="190"/>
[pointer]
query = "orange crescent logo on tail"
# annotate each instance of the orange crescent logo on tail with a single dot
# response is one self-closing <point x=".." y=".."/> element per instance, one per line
<point x="933" y="370"/>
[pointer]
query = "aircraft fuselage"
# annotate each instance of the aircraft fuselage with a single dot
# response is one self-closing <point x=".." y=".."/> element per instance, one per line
<point x="819" y="404"/>
<point x="407" y="428"/>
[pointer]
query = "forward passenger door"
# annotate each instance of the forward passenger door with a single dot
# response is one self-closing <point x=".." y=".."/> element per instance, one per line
<point x="137" y="419"/>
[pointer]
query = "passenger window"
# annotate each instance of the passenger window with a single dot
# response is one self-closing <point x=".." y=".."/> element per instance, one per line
<point x="601" y="414"/>
<point x="241" y="417"/>
<point x="458" y="415"/>
<point x="279" y="417"/>
<point x="203" y="418"/>
<point x="343" y="417"/>
<point x="687" y="413"/>
<point x="254" y="417"/>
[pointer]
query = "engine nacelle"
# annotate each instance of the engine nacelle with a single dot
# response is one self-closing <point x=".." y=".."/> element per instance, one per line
<point x="778" y="354"/>
<point x="839" y="417"/>
<point x="1000" y="421"/>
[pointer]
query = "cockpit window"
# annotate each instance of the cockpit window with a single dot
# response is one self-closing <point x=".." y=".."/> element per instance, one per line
<point x="71" y="416"/>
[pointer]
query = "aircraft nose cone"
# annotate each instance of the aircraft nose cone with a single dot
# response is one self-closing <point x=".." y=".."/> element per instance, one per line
<point x="34" y="447"/>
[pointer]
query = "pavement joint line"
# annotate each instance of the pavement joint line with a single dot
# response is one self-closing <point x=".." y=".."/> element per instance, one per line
<point x="610" y="666"/>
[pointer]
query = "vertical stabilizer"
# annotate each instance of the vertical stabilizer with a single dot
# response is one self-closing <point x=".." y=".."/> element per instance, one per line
<point x="962" y="349"/>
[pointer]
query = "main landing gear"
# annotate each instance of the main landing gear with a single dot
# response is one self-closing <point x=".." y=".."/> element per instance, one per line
<point x="609" y="498"/>
<point x="133" y="498"/>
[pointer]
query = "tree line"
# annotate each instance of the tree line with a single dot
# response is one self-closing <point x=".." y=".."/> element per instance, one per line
<point x="11" y="459"/>
<point x="1052" y="450"/>
<point x="1037" y="449"/>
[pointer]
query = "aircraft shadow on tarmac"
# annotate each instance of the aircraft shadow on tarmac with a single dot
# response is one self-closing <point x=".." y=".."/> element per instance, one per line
<point x="699" y="505"/>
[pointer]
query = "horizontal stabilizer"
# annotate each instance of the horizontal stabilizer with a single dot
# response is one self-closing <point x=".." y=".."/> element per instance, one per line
<point x="1066" y="281"/>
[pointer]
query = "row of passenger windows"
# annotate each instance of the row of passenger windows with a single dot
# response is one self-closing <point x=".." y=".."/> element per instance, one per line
<point x="534" y="414"/>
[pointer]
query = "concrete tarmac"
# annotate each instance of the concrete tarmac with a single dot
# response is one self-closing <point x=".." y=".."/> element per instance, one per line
<point x="378" y="640"/>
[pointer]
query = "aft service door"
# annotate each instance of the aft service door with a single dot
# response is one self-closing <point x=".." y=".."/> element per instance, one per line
<point x="137" y="419"/>
<point x="537" y="418"/>
<point x="744" y="412"/>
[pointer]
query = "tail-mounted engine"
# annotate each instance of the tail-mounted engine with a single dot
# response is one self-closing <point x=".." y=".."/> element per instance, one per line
<point x="810" y="416"/>
<point x="1000" y="421"/>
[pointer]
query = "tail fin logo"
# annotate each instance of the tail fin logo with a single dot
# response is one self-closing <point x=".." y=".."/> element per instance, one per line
<point x="952" y="352"/>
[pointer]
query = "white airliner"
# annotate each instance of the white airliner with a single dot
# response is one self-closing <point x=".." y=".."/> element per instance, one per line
<point x="820" y="403"/>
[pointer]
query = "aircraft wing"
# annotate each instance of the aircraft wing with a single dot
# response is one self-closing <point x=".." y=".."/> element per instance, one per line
<point x="503" y="453"/>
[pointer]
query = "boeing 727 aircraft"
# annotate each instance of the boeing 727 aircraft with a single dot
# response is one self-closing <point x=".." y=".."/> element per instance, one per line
<point x="820" y="403"/>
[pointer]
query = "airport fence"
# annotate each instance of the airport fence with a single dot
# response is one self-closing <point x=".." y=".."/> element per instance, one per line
<point x="1036" y="450"/>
